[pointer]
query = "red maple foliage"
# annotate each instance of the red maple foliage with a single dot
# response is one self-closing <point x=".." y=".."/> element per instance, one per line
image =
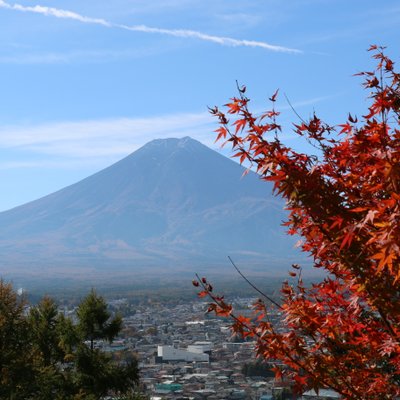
<point x="344" y="332"/>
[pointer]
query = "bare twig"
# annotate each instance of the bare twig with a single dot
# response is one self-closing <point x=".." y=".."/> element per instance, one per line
<point x="253" y="286"/>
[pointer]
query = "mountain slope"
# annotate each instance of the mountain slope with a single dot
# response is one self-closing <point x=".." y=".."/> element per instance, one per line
<point x="172" y="203"/>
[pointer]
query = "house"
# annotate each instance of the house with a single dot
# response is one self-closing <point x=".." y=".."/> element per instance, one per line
<point x="323" y="394"/>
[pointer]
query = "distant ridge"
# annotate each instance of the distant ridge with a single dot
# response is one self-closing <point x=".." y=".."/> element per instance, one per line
<point x="174" y="204"/>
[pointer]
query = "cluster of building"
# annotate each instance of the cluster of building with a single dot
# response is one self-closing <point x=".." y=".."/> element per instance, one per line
<point x="185" y="353"/>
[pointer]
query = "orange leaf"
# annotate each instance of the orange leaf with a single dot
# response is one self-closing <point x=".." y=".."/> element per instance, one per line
<point x="273" y="98"/>
<point x="240" y="124"/>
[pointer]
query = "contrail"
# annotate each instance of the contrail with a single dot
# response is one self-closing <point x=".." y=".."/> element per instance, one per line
<point x="221" y="40"/>
<point x="224" y="41"/>
<point x="54" y="12"/>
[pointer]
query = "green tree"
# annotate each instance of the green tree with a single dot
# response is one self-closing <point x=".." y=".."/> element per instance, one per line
<point x="51" y="381"/>
<point x="44" y="355"/>
<point x="68" y="337"/>
<point x="258" y="368"/>
<point x="16" y="372"/>
<point x="95" y="321"/>
<point x="95" y="372"/>
<point x="43" y="323"/>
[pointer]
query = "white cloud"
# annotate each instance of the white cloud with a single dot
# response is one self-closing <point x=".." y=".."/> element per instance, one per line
<point x="96" y="141"/>
<point x="87" y="56"/>
<point x="18" y="164"/>
<point x="183" y="33"/>
<point x="104" y="138"/>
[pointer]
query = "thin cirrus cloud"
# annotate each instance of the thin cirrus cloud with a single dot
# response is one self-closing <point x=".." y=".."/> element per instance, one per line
<point x="69" y="57"/>
<point x="182" y="33"/>
<point x="109" y="138"/>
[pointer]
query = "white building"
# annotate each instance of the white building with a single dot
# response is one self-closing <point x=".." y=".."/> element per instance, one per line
<point x="170" y="353"/>
<point x="323" y="394"/>
<point x="200" y="347"/>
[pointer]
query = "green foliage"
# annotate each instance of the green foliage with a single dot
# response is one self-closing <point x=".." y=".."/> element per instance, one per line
<point x="258" y="368"/>
<point x="16" y="372"/>
<point x="68" y="337"/>
<point x="94" y="319"/>
<point x="133" y="395"/>
<point x="45" y="356"/>
<point x="96" y="374"/>
<point x="43" y="324"/>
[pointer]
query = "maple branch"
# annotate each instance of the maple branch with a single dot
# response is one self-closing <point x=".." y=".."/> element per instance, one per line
<point x="303" y="121"/>
<point x="253" y="286"/>
<point x="293" y="109"/>
<point x="344" y="332"/>
<point x="362" y="274"/>
<point x="336" y="385"/>
<point x="223" y="306"/>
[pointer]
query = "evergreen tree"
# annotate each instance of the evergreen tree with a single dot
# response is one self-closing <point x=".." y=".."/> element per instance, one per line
<point x="95" y="372"/>
<point x="44" y="355"/>
<point x="51" y="381"/>
<point x="43" y="323"/>
<point x="94" y="320"/>
<point x="16" y="372"/>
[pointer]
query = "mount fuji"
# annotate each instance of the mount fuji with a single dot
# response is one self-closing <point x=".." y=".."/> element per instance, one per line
<point x="170" y="206"/>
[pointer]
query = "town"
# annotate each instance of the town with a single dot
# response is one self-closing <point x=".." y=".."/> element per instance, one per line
<point x="184" y="352"/>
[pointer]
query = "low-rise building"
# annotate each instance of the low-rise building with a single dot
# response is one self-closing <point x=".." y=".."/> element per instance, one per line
<point x="323" y="394"/>
<point x="171" y="353"/>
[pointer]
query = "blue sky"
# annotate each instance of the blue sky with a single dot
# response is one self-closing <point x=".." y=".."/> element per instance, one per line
<point x="85" y="83"/>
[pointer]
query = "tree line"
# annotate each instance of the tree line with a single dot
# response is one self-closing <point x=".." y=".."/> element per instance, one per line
<point x="45" y="355"/>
